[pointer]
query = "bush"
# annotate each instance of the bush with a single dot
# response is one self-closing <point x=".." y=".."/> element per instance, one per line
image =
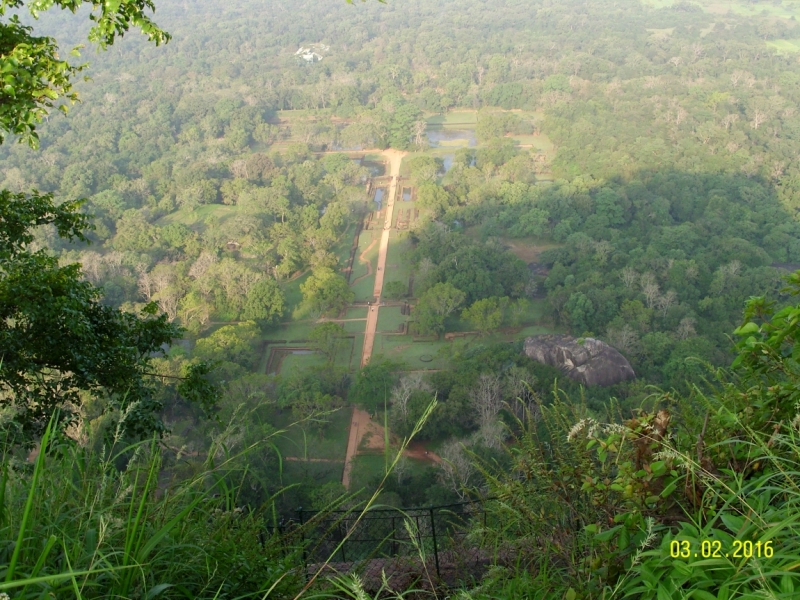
<point x="395" y="290"/>
<point x="659" y="505"/>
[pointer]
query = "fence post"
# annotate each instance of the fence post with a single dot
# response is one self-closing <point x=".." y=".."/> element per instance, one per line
<point x="394" y="538"/>
<point x="343" y="527"/>
<point x="435" y="544"/>
<point x="303" y="542"/>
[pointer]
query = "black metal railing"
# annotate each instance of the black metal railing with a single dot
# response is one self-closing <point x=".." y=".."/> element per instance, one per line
<point x="427" y="542"/>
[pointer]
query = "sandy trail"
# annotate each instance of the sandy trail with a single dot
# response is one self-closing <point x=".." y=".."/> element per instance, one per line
<point x="395" y="157"/>
<point x="357" y="422"/>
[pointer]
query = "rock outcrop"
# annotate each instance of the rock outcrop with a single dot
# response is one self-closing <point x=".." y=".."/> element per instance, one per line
<point x="587" y="360"/>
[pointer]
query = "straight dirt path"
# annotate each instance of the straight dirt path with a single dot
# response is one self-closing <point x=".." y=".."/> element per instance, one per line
<point x="395" y="157"/>
<point x="360" y="418"/>
<point x="357" y="424"/>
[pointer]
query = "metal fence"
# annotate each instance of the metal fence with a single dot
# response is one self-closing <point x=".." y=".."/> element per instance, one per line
<point x="429" y="544"/>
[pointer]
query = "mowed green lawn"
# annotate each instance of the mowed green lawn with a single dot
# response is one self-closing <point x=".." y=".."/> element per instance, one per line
<point x="301" y="362"/>
<point x="195" y="217"/>
<point x="344" y="245"/>
<point x="390" y="319"/>
<point x="403" y="348"/>
<point x="292" y="293"/>
<point x="785" y="46"/>
<point x="397" y="266"/>
<point x="365" y="288"/>
<point x="368" y="245"/>
<point x="293" y="331"/>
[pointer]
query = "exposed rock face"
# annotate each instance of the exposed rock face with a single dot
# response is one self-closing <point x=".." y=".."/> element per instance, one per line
<point x="591" y="362"/>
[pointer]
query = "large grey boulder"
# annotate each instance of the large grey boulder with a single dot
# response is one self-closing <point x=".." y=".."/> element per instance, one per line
<point x="587" y="360"/>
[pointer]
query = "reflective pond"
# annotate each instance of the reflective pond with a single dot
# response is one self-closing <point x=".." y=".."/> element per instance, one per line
<point x="452" y="137"/>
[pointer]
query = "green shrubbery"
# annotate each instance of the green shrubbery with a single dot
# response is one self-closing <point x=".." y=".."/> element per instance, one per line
<point x="593" y="510"/>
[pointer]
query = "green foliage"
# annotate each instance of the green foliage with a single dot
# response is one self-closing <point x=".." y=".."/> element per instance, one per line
<point x="373" y="383"/>
<point x="435" y="305"/>
<point x="234" y="343"/>
<point x="49" y="361"/>
<point x="478" y="270"/>
<point x="395" y="290"/>
<point x="424" y="168"/>
<point x="580" y="310"/>
<point x="493" y="125"/>
<point x="326" y="292"/>
<point x="486" y="314"/>
<point x="327" y="338"/>
<point x="35" y="78"/>
<point x="667" y="503"/>
<point x="265" y="303"/>
<point x="401" y="123"/>
<point x="434" y="198"/>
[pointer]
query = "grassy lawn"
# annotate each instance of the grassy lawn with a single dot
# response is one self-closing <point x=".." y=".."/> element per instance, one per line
<point x="390" y="319"/>
<point x="344" y="354"/>
<point x="195" y="217"/>
<point x="291" y="290"/>
<point x="292" y="331"/>
<point x="785" y="46"/>
<point x="534" y="330"/>
<point x="306" y="442"/>
<point x="397" y="267"/>
<point x="786" y="10"/>
<point x="356" y="312"/>
<point x="355" y="357"/>
<point x="355" y="326"/>
<point x="739" y="7"/>
<point x="405" y="170"/>
<point x="343" y="246"/>
<point x="365" y="239"/>
<point x="365" y="288"/>
<point x="301" y="362"/>
<point x="527" y="249"/>
<point x="457" y="143"/>
<point x="404" y="348"/>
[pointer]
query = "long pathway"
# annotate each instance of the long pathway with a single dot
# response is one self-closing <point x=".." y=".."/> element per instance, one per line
<point x="395" y="158"/>
<point x="360" y="418"/>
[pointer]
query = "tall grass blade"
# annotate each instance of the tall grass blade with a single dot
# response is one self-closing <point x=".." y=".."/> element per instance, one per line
<point x="23" y="527"/>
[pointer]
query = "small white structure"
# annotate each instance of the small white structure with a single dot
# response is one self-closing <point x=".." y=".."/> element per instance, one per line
<point x="313" y="53"/>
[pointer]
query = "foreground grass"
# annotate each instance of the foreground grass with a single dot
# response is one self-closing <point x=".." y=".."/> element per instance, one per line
<point x="86" y="524"/>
